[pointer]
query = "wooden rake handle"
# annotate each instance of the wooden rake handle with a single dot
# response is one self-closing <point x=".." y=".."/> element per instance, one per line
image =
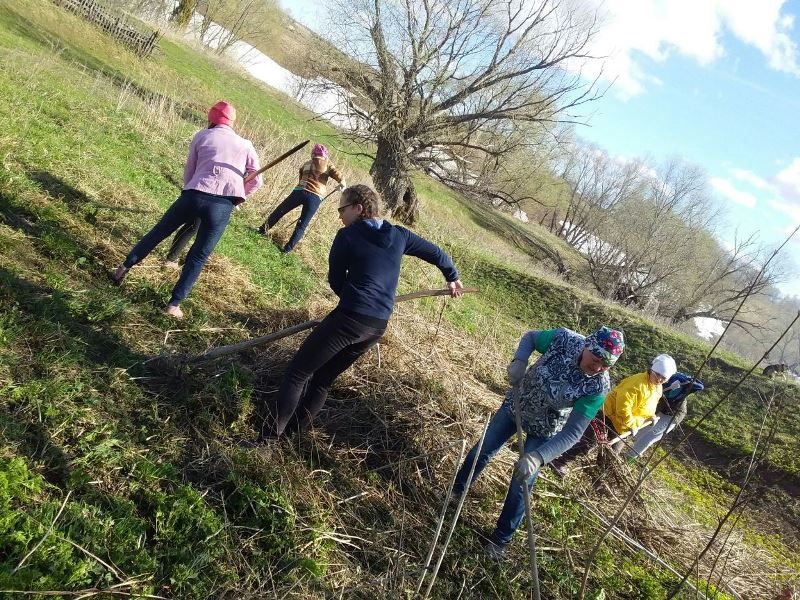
<point x="250" y="176"/>
<point x="272" y="337"/>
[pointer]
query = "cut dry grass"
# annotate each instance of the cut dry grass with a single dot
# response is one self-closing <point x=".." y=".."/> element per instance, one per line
<point x="160" y="487"/>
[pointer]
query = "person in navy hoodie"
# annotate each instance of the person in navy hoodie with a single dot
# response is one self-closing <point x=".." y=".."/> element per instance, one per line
<point x="363" y="270"/>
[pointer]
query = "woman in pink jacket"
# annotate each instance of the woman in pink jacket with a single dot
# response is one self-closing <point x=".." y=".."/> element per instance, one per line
<point x="213" y="184"/>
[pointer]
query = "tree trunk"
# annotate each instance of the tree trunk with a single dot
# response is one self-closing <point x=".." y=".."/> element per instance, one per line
<point x="678" y="317"/>
<point x="390" y="174"/>
<point x="182" y="15"/>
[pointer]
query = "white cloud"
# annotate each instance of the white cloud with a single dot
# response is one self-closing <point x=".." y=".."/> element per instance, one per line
<point x="752" y="179"/>
<point x="787" y="184"/>
<point x="788" y="179"/>
<point x="762" y="25"/>
<point x="789" y="209"/>
<point x="732" y="193"/>
<point x="660" y="28"/>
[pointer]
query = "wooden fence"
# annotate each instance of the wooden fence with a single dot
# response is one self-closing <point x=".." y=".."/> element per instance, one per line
<point x="141" y="43"/>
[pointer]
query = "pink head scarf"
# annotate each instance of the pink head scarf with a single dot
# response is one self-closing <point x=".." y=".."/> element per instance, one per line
<point x="222" y="113"/>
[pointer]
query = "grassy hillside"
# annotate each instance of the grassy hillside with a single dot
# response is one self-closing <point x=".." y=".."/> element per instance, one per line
<point x="116" y="472"/>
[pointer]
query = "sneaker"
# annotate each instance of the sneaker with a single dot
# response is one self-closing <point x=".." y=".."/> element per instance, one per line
<point x="173" y="311"/>
<point x="119" y="274"/>
<point x="559" y="468"/>
<point x="258" y="443"/>
<point x="602" y="488"/>
<point x="171" y="264"/>
<point x="494" y="551"/>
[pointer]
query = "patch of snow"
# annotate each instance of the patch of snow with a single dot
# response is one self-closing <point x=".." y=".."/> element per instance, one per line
<point x="262" y="67"/>
<point x="708" y="328"/>
<point x="590" y="242"/>
<point x="521" y="215"/>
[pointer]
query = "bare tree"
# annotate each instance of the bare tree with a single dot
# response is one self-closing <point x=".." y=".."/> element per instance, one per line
<point x="788" y="351"/>
<point x="226" y="22"/>
<point x="431" y="81"/>
<point x="495" y="177"/>
<point x="593" y="184"/>
<point x="648" y="238"/>
<point x="182" y="13"/>
<point x="718" y="279"/>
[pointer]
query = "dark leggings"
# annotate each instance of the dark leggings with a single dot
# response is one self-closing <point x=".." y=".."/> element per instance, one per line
<point x="334" y="345"/>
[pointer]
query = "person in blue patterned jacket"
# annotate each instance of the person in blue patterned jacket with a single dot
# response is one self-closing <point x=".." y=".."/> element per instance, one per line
<point x="558" y="397"/>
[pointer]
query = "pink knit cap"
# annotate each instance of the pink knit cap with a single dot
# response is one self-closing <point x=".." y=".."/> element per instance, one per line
<point x="319" y="150"/>
<point x="222" y="113"/>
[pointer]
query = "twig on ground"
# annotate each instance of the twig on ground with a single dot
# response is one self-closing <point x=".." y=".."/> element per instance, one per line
<point x="526" y="495"/>
<point x="457" y="512"/>
<point x="46" y="535"/>
<point x="737" y="504"/>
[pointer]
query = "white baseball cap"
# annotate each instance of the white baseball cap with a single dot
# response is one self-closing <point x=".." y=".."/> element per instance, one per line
<point x="664" y="365"/>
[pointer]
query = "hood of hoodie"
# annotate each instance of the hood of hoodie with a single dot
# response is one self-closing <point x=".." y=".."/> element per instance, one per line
<point x="379" y="237"/>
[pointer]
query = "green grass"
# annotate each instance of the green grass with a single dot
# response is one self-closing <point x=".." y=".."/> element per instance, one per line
<point x="93" y="148"/>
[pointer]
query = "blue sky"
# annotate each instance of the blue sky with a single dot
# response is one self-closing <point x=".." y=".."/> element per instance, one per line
<point x="714" y="81"/>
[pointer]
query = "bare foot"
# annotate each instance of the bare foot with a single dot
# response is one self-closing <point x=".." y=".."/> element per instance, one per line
<point x="119" y="274"/>
<point x="171" y="264"/>
<point x="173" y="311"/>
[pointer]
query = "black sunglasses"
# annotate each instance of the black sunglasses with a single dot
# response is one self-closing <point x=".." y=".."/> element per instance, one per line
<point x="341" y="208"/>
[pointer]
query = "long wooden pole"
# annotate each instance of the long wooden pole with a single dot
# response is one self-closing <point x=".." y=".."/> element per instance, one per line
<point x="440" y="522"/>
<point x="241" y="346"/>
<point x="460" y="505"/>
<point x="283" y="156"/>
<point x="525" y="493"/>
<point x="272" y="337"/>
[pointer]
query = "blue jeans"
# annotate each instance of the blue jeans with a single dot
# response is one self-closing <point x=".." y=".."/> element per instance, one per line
<point x="213" y="212"/>
<point x="182" y="239"/>
<point x="310" y="203"/>
<point x="501" y="428"/>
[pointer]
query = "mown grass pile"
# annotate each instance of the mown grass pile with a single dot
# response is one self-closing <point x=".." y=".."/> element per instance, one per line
<point x="117" y="473"/>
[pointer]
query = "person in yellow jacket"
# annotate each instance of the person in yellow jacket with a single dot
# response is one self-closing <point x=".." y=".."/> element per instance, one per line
<point x="632" y="403"/>
<point x="627" y="407"/>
